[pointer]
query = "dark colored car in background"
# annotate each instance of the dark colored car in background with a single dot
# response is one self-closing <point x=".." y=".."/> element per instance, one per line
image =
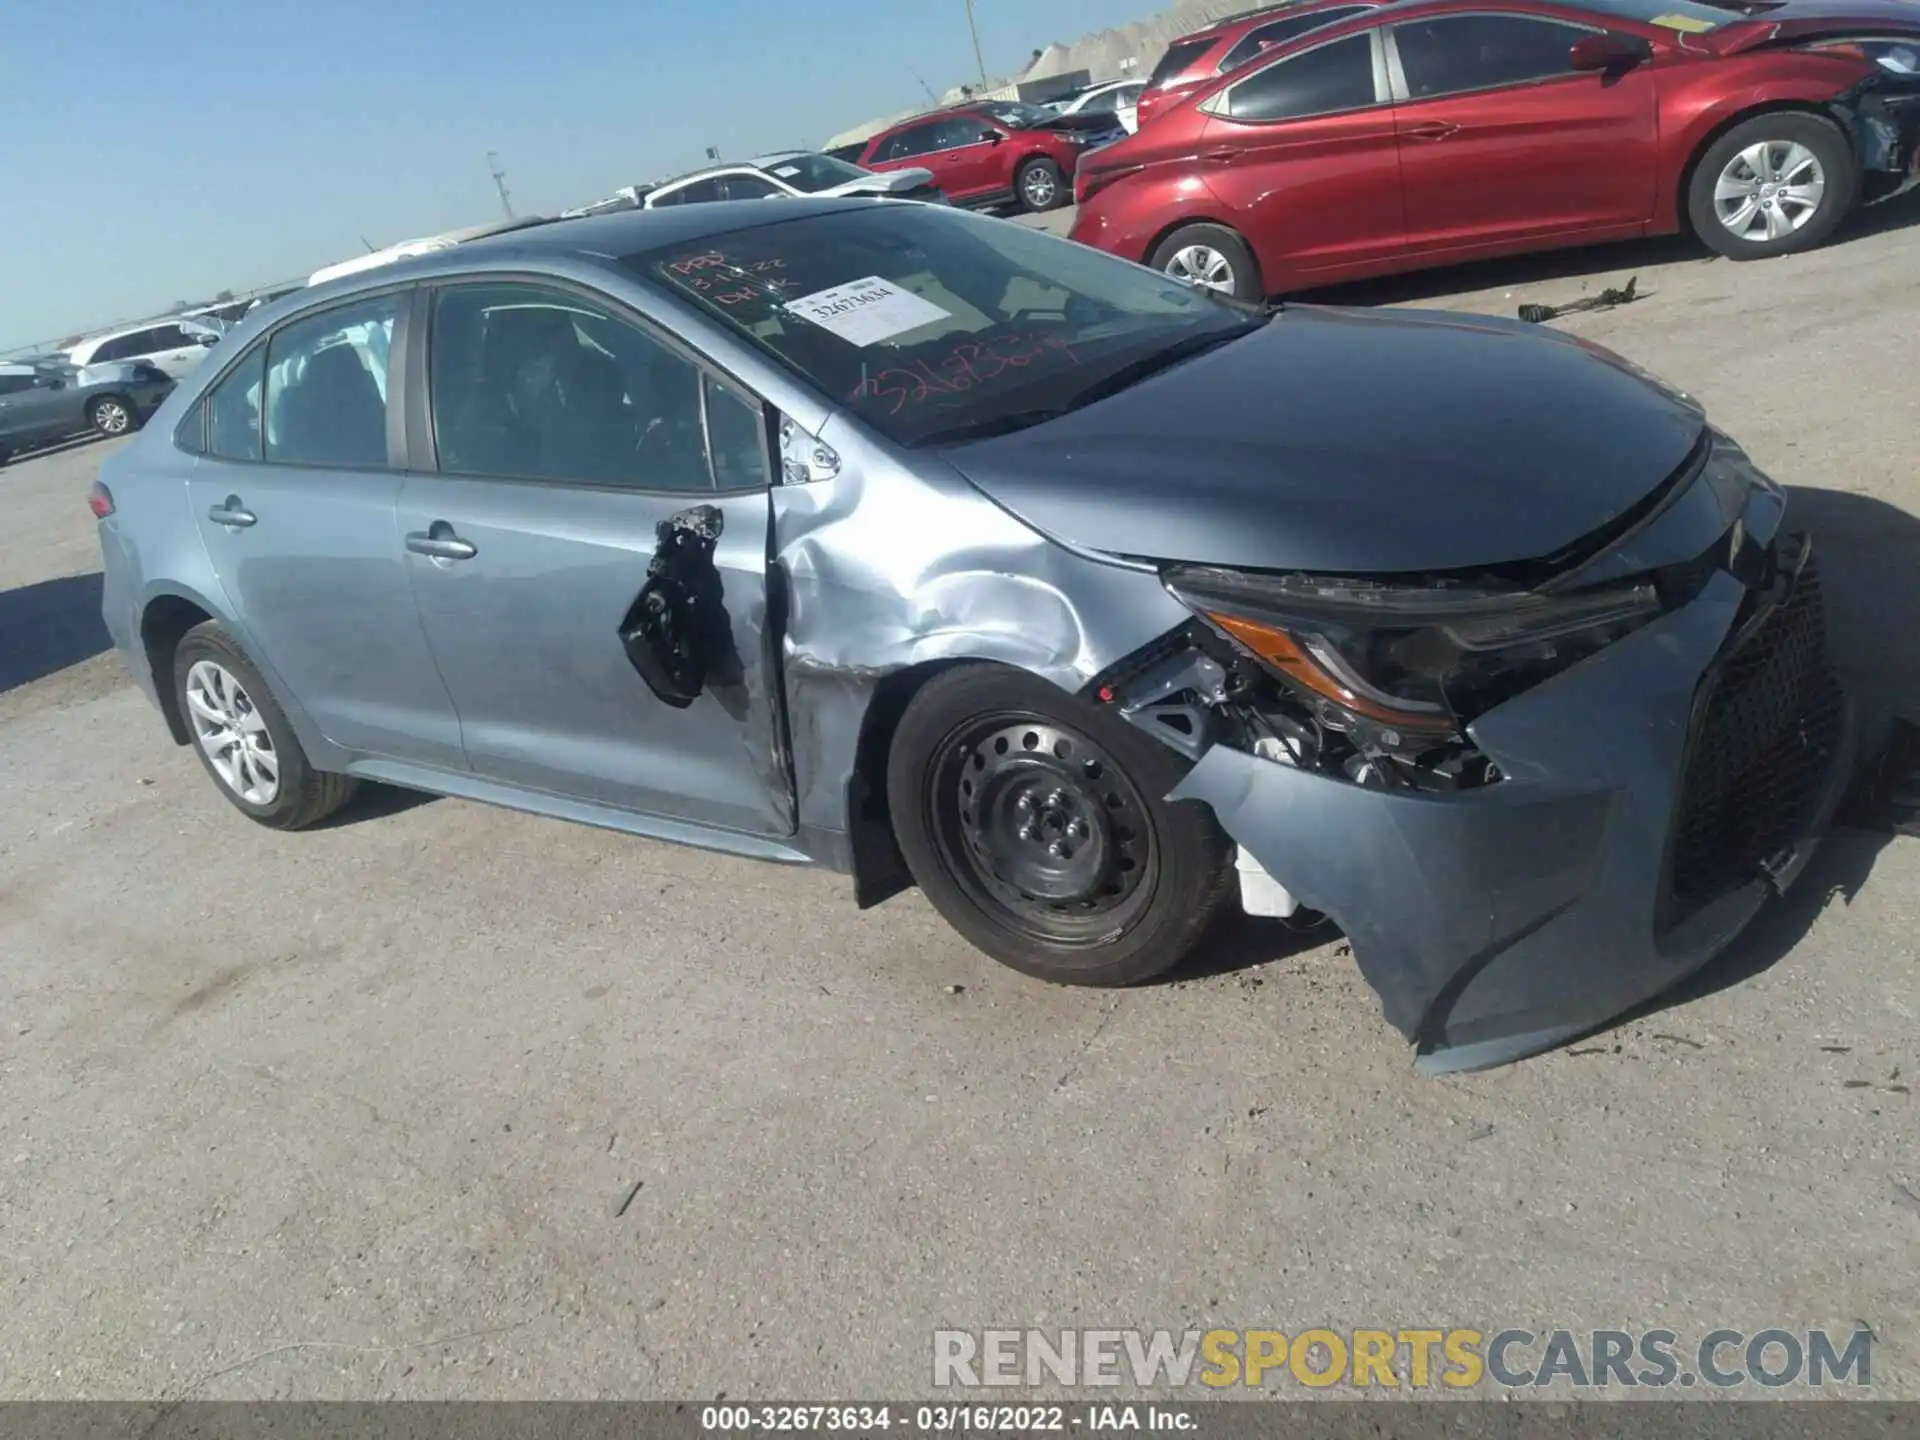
<point x="1437" y="131"/>
<point x="995" y="152"/>
<point x="1195" y="61"/>
<point x="44" y="404"/>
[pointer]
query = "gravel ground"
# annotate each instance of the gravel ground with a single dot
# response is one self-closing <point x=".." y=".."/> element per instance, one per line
<point x="354" y="1113"/>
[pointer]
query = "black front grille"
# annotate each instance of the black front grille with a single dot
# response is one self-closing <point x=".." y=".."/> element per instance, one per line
<point x="1768" y="722"/>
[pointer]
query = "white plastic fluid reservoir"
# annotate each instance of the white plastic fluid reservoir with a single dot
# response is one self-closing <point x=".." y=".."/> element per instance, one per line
<point x="1260" y="893"/>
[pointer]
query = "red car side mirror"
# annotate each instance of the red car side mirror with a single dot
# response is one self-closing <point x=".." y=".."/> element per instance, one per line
<point x="1608" y="52"/>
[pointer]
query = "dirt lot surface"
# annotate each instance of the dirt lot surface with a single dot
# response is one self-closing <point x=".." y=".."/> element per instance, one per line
<point x="351" y="1113"/>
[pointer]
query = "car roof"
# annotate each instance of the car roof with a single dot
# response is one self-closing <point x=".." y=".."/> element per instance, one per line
<point x="729" y="167"/>
<point x="106" y="335"/>
<point x="1228" y="24"/>
<point x="594" y="237"/>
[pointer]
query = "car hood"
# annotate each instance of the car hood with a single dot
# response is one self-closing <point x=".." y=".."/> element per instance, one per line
<point x="889" y="182"/>
<point x="1809" y="20"/>
<point x="1351" y="441"/>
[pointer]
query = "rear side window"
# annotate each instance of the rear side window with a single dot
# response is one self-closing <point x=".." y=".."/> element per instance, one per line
<point x="124" y="347"/>
<point x="1332" y="77"/>
<point x="1278" y="32"/>
<point x="963" y="130"/>
<point x="1179" y="56"/>
<point x="698" y="193"/>
<point x="537" y="384"/>
<point x="1452" y="53"/>
<point x="233" y="410"/>
<point x="326" y="388"/>
<point x="751" y="187"/>
<point x="14" y="384"/>
<point x="165" y="337"/>
<point x="918" y="140"/>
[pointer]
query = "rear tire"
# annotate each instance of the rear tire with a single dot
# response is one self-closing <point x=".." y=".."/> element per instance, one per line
<point x="1773" y="185"/>
<point x="242" y="736"/>
<point x="1040" y="186"/>
<point x="112" y="415"/>
<point x="1035" y="823"/>
<point x="1211" y="257"/>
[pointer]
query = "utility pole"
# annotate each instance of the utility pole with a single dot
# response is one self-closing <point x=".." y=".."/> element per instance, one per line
<point x="500" y="183"/>
<point x="977" y="59"/>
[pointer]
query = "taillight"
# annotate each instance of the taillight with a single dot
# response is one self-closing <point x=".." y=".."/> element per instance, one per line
<point x="100" y="500"/>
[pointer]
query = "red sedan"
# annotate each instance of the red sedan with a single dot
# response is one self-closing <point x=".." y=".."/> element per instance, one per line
<point x="1430" y="132"/>
<point x="992" y="152"/>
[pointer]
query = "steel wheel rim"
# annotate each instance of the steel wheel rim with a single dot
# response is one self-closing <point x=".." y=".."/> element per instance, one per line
<point x="110" y="416"/>
<point x="1202" y="266"/>
<point x="1039" y="185"/>
<point x="232" y="733"/>
<point x="1769" y="190"/>
<point x="1043" y="829"/>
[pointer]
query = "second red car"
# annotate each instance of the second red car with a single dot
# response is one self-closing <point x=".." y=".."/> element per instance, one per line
<point x="1435" y="131"/>
<point x="994" y="152"/>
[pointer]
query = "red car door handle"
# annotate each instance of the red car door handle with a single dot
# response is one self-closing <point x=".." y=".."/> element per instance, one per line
<point x="1220" y="155"/>
<point x="1432" y="130"/>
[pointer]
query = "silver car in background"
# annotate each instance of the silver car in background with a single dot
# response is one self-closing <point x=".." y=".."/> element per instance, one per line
<point x="931" y="549"/>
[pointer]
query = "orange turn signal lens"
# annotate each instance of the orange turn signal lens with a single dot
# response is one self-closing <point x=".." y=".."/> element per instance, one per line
<point x="1290" y="658"/>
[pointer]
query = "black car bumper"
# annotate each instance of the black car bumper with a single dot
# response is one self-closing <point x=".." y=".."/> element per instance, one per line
<point x="1654" y="796"/>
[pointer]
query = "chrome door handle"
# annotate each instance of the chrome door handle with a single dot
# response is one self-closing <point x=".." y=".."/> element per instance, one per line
<point x="231" y="513"/>
<point x="440" y="543"/>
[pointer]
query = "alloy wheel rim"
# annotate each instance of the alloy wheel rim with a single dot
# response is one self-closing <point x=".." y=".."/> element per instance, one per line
<point x="111" y="417"/>
<point x="1039" y="186"/>
<point x="232" y="733"/>
<point x="1202" y="266"/>
<point x="1769" y="190"/>
<point x="1040" y="823"/>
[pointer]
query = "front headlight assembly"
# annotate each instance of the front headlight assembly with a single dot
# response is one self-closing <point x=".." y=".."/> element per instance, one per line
<point x="1423" y="659"/>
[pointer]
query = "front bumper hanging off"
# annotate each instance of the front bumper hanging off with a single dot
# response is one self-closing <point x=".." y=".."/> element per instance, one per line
<point x="1652" y="798"/>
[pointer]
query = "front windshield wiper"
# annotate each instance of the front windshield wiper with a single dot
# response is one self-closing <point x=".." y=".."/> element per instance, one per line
<point x="982" y="426"/>
<point x="1134" y="371"/>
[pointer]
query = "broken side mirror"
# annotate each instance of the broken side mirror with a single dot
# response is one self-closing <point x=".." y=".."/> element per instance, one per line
<point x="676" y="626"/>
<point x="803" y="459"/>
<point x="1608" y="52"/>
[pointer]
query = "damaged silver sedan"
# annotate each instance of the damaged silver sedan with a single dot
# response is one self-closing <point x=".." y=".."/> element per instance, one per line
<point x="931" y="549"/>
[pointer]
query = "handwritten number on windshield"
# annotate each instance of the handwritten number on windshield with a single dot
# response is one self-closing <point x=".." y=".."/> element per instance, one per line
<point x="960" y="369"/>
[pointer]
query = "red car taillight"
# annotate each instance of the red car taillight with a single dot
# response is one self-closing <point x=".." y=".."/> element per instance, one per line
<point x="100" y="501"/>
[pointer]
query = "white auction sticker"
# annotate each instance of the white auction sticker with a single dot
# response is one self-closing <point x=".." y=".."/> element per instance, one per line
<point x="867" y="311"/>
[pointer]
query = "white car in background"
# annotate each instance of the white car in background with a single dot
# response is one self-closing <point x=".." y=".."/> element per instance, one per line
<point x="1118" y="98"/>
<point x="787" y="173"/>
<point x="407" y="249"/>
<point x="173" y="347"/>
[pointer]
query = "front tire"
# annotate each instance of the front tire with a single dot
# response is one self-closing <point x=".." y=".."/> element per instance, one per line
<point x="1040" y="186"/>
<point x="1035" y="824"/>
<point x="1210" y="257"/>
<point x="111" y="415"/>
<point x="1773" y="185"/>
<point x="242" y="736"/>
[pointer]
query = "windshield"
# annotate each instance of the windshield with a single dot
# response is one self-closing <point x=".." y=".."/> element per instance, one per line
<point x="1017" y="114"/>
<point x="1687" y="16"/>
<point x="815" y="172"/>
<point x="931" y="324"/>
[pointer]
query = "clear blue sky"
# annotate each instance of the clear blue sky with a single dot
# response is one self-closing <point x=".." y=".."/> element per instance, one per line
<point x="165" y="151"/>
